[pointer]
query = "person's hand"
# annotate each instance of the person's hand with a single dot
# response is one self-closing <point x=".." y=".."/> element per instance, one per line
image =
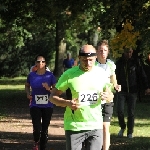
<point x="73" y="104"/>
<point x="30" y="98"/>
<point x="118" y="88"/>
<point x="147" y="92"/>
<point x="45" y="85"/>
<point x="107" y="95"/>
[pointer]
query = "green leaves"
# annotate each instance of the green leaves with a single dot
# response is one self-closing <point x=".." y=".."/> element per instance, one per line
<point x="29" y="27"/>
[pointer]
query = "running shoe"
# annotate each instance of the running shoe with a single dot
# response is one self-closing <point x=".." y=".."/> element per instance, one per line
<point x="36" y="147"/>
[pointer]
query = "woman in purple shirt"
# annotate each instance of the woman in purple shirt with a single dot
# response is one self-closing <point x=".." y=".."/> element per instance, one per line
<point x="41" y="109"/>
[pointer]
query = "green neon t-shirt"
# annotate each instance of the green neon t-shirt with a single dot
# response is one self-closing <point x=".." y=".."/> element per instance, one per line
<point x="85" y="87"/>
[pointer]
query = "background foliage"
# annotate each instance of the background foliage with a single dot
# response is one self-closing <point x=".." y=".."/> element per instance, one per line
<point x="31" y="27"/>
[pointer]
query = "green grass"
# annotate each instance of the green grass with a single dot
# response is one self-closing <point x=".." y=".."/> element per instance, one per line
<point x="12" y="81"/>
<point x="12" y="92"/>
<point x="141" y="140"/>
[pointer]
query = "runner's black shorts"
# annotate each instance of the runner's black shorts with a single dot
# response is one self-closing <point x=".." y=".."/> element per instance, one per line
<point x="107" y="111"/>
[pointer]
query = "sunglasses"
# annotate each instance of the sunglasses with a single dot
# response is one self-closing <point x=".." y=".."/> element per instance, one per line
<point x="38" y="61"/>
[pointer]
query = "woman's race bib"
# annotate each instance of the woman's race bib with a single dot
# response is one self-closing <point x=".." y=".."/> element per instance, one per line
<point x="41" y="99"/>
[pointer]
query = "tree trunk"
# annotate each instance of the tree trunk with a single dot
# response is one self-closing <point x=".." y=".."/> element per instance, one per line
<point x="60" y="49"/>
<point x="95" y="38"/>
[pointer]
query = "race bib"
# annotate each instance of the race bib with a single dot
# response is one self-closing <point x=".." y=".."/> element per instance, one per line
<point x="41" y="99"/>
<point x="88" y="97"/>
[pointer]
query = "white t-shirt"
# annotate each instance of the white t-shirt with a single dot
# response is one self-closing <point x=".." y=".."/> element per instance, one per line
<point x="109" y="68"/>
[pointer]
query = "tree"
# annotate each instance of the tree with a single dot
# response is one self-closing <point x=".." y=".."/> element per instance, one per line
<point x="135" y="11"/>
<point x="31" y="27"/>
<point x="127" y="38"/>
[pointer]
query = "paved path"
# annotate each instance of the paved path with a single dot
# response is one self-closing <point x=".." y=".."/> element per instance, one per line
<point x="16" y="130"/>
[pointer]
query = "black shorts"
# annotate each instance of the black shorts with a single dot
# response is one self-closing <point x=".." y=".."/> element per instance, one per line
<point x="107" y="111"/>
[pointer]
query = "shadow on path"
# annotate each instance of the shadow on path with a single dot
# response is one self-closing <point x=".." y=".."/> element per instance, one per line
<point x="23" y="141"/>
<point x="16" y="129"/>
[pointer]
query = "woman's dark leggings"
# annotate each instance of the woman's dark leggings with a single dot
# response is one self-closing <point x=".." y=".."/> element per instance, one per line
<point x="41" y="119"/>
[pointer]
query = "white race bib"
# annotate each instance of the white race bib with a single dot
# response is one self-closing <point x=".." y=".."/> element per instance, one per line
<point x="41" y="99"/>
<point x="88" y="97"/>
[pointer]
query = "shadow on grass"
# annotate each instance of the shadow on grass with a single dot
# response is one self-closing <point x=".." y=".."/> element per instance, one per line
<point x="141" y="109"/>
<point x="115" y="123"/>
<point x="15" y="104"/>
<point x="13" y="81"/>
<point x="137" y="143"/>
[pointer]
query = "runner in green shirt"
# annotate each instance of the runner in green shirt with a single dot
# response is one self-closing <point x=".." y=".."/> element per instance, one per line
<point x="83" y="120"/>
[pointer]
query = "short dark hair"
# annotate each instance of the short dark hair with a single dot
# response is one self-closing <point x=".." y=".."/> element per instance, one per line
<point x="103" y="42"/>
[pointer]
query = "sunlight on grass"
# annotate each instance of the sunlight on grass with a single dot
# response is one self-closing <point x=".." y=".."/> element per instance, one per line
<point x="12" y="87"/>
<point x="16" y="78"/>
<point x="12" y="81"/>
<point x="141" y="129"/>
<point x="142" y="121"/>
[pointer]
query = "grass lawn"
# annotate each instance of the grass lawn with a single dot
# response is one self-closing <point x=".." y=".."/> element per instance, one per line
<point x="141" y="140"/>
<point x="12" y="91"/>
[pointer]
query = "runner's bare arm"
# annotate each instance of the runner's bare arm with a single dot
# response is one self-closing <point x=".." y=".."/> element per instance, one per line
<point x="47" y="87"/>
<point x="107" y="95"/>
<point x="113" y="80"/>
<point x="58" y="101"/>
<point x="27" y="89"/>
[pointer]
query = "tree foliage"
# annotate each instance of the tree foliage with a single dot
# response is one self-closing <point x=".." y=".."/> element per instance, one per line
<point x="31" y="27"/>
<point x="127" y="38"/>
